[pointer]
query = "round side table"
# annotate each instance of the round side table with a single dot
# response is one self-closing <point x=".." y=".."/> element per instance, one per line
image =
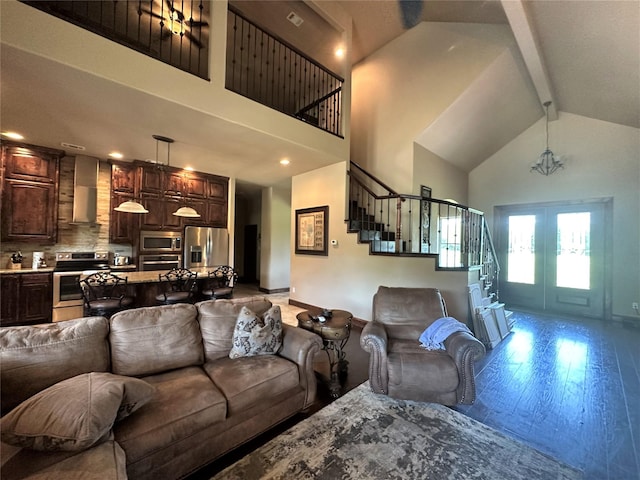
<point x="335" y="334"/>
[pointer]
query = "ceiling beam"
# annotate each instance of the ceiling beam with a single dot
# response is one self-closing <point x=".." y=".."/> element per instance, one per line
<point x="528" y="43"/>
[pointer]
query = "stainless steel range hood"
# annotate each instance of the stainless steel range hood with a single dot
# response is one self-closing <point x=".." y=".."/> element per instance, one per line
<point x="85" y="190"/>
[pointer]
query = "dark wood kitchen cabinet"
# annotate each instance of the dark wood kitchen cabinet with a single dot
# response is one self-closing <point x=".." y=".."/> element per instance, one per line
<point x="160" y="216"/>
<point x="123" y="177"/>
<point x="27" y="298"/>
<point x="122" y="225"/>
<point x="162" y="190"/>
<point x="30" y="193"/>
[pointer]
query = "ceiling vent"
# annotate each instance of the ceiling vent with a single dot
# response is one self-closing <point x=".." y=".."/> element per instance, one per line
<point x="73" y="146"/>
<point x="294" y="18"/>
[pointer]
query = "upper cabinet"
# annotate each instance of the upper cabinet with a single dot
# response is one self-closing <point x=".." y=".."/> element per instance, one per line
<point x="162" y="190"/>
<point x="30" y="193"/>
<point x="123" y="177"/>
<point x="122" y="225"/>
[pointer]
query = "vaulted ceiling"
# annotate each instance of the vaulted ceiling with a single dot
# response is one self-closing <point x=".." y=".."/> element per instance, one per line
<point x="583" y="55"/>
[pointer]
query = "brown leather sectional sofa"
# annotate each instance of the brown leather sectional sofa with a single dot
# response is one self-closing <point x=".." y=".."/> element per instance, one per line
<point x="203" y="404"/>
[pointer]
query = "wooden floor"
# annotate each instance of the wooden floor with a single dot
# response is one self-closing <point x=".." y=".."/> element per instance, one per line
<point x="568" y="387"/>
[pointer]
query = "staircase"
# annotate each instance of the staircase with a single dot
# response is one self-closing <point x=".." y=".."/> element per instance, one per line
<point x="409" y="225"/>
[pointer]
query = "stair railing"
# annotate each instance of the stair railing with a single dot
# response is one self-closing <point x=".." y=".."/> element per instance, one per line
<point x="403" y="224"/>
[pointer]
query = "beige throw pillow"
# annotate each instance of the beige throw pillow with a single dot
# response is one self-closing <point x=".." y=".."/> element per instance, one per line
<point x="257" y="335"/>
<point x="74" y="414"/>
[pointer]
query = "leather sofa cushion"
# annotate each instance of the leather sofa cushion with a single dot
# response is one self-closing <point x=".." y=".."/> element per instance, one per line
<point x="217" y="319"/>
<point x="247" y="381"/>
<point x="74" y="414"/>
<point x="103" y="461"/>
<point x="407" y="310"/>
<point x="150" y="340"/>
<point x="185" y="402"/>
<point x="33" y="358"/>
<point x="410" y="364"/>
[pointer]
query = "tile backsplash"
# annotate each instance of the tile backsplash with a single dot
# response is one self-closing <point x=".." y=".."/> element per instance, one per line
<point x="72" y="238"/>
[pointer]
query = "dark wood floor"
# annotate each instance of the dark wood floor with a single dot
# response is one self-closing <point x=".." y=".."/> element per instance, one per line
<point x="568" y="387"/>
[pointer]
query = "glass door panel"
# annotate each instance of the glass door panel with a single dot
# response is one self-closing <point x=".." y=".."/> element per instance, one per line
<point x="552" y="257"/>
<point x="521" y="259"/>
<point x="573" y="263"/>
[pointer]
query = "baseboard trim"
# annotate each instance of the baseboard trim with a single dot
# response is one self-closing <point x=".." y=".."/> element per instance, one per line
<point x="275" y="290"/>
<point x="355" y="322"/>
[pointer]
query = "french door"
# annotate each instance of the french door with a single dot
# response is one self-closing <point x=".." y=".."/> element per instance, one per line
<point x="553" y="257"/>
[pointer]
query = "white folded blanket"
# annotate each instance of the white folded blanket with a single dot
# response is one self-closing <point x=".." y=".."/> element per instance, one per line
<point x="435" y="334"/>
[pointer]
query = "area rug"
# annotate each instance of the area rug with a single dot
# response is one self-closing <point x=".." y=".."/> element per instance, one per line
<point x="367" y="436"/>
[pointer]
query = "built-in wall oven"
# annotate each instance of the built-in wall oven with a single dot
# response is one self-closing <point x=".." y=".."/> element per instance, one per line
<point x="160" y="262"/>
<point x="69" y="269"/>
<point x="160" y="242"/>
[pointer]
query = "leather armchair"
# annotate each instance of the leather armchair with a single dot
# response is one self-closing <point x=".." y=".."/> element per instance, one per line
<point x="400" y="367"/>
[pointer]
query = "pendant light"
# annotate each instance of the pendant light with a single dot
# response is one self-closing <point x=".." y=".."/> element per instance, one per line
<point x="182" y="211"/>
<point x="131" y="206"/>
<point x="547" y="162"/>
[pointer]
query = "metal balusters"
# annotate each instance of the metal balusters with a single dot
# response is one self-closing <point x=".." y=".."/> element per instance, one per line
<point x="153" y="28"/>
<point x="281" y="77"/>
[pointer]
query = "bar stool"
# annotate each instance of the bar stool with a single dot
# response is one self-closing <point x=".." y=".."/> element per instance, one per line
<point x="220" y="283"/>
<point x="105" y="294"/>
<point x="179" y="285"/>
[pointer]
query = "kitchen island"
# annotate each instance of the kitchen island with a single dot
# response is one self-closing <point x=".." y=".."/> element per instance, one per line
<point x="145" y="286"/>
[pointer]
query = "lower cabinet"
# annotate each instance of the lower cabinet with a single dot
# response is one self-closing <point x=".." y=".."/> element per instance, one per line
<point x="27" y="298"/>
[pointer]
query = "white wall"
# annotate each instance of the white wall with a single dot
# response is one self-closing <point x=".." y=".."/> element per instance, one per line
<point x="275" y="238"/>
<point x="349" y="277"/>
<point x="445" y="180"/>
<point x="602" y="160"/>
<point x="403" y="87"/>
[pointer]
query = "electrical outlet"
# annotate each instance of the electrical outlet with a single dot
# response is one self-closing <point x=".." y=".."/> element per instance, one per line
<point x="293" y="289"/>
<point x="634" y="305"/>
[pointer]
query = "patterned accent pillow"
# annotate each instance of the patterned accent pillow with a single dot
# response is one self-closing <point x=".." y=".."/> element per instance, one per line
<point x="74" y="414"/>
<point x="257" y="335"/>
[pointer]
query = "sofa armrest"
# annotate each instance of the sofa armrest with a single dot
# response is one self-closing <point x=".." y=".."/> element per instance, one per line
<point x="465" y="349"/>
<point x="300" y="346"/>
<point x="373" y="339"/>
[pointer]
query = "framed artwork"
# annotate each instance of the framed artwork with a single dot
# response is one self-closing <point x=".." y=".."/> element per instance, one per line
<point x="425" y="215"/>
<point x="312" y="230"/>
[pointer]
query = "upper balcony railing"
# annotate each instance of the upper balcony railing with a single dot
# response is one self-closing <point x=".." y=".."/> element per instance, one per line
<point x="263" y="67"/>
<point x="174" y="32"/>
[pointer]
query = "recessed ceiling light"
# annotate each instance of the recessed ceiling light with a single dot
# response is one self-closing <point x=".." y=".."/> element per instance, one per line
<point x="284" y="161"/>
<point x="117" y="155"/>
<point x="13" y="135"/>
<point x="339" y="52"/>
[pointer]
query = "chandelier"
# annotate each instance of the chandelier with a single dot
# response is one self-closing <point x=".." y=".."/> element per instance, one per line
<point x="547" y="162"/>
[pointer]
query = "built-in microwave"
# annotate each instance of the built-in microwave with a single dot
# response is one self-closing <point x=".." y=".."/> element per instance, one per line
<point x="154" y="242"/>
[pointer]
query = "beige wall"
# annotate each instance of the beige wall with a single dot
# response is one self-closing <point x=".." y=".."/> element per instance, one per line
<point x="602" y="160"/>
<point x="275" y="238"/>
<point x="445" y="180"/>
<point x="405" y="86"/>
<point x="349" y="277"/>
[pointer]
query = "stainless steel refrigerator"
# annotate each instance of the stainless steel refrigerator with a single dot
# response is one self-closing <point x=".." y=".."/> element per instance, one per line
<point x="205" y="247"/>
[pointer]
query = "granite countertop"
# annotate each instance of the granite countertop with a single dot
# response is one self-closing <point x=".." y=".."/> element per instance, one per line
<point x="153" y="276"/>
<point x="26" y="270"/>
